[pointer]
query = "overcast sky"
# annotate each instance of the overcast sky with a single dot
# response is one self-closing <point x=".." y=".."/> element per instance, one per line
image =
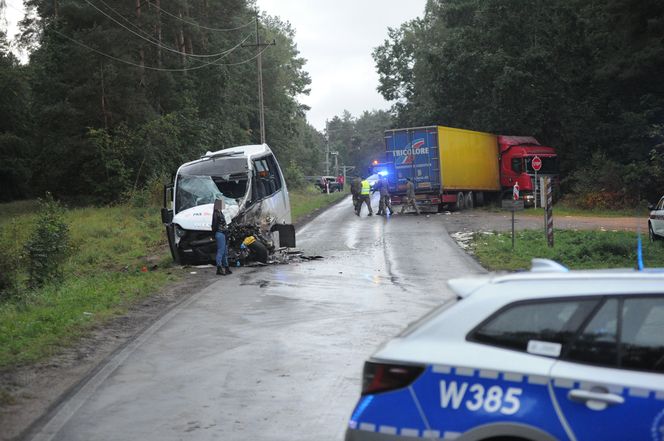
<point x="337" y="38"/>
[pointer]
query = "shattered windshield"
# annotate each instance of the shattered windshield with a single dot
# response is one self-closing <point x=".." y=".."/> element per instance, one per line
<point x="193" y="191"/>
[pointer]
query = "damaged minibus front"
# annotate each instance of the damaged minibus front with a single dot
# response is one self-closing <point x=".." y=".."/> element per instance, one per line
<point x="252" y="186"/>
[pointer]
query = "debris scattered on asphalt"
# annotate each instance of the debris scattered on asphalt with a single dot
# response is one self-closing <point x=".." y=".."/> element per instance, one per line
<point x="464" y="240"/>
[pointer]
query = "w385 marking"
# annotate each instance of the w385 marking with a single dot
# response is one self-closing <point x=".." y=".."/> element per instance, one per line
<point x="493" y="399"/>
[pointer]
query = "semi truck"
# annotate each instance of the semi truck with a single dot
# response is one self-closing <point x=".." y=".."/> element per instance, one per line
<point x="457" y="168"/>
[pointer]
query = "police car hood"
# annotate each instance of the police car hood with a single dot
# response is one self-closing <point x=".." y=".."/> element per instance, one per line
<point x="200" y="218"/>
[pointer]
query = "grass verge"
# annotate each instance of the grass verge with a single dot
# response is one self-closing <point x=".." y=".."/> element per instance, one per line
<point x="118" y="258"/>
<point x="574" y="249"/>
<point x="305" y="201"/>
<point x="563" y="208"/>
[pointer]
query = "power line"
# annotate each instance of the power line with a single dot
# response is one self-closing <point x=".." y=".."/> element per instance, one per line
<point x="199" y="25"/>
<point x="157" y="43"/>
<point x="160" y="69"/>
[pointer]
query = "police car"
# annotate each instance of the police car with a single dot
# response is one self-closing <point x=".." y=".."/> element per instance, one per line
<point x="543" y="355"/>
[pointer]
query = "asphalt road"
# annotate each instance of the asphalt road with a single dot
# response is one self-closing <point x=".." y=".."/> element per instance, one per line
<point x="271" y="353"/>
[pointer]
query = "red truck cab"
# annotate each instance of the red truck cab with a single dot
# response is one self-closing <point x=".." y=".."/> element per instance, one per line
<point x="516" y="155"/>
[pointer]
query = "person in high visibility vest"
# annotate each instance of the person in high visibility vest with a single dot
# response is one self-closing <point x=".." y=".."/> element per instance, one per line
<point x="365" y="197"/>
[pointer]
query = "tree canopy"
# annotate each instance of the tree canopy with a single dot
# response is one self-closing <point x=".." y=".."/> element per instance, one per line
<point x="585" y="77"/>
<point x="116" y="93"/>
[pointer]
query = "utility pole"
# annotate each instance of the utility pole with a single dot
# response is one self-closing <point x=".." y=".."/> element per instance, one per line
<point x="346" y="169"/>
<point x="336" y="162"/>
<point x="259" y="64"/>
<point x="327" y="151"/>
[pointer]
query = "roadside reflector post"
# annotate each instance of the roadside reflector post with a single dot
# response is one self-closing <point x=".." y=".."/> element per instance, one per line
<point x="535" y="189"/>
<point x="512" y="228"/>
<point x="548" y="212"/>
<point x="513" y="205"/>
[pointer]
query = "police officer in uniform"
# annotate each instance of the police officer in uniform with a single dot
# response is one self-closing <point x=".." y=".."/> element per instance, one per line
<point x="365" y="197"/>
<point x="385" y="203"/>
<point x="355" y="189"/>
<point x="410" y="197"/>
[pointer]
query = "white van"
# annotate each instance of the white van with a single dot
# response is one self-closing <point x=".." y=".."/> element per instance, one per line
<point x="252" y="185"/>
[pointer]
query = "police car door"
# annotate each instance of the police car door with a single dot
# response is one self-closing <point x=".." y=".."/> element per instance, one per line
<point x="609" y="385"/>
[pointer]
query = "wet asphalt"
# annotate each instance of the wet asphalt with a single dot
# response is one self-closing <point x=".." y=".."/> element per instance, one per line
<point x="272" y="353"/>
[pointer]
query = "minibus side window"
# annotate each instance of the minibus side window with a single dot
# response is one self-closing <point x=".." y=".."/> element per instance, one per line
<point x="275" y="177"/>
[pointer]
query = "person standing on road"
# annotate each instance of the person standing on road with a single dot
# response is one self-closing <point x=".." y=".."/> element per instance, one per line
<point x="220" y="230"/>
<point x="410" y="197"/>
<point x="355" y="189"/>
<point x="341" y="181"/>
<point x="384" y="191"/>
<point x="365" y="197"/>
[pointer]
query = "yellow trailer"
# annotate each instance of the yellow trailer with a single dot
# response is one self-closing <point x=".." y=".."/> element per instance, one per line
<point x="468" y="160"/>
<point x="446" y="165"/>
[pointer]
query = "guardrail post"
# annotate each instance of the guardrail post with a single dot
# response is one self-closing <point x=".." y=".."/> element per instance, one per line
<point x="548" y="188"/>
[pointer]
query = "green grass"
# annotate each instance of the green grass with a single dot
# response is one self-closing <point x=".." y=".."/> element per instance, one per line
<point x="565" y="209"/>
<point x="58" y="316"/>
<point x="574" y="249"/>
<point x="102" y="277"/>
<point x="309" y="199"/>
<point x="18" y="208"/>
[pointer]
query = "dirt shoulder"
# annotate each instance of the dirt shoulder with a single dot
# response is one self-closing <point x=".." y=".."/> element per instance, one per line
<point x="478" y="220"/>
<point x="34" y="391"/>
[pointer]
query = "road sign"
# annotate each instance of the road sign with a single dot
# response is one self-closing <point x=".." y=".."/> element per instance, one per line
<point x="537" y="163"/>
<point x="512" y="205"/>
<point x="515" y="191"/>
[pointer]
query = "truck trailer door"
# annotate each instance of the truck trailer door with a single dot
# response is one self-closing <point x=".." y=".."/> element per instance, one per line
<point x="414" y="153"/>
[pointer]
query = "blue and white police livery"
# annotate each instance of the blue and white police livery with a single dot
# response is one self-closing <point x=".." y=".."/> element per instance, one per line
<point x="547" y="355"/>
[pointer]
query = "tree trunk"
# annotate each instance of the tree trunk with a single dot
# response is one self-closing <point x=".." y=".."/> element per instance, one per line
<point x="141" y="51"/>
<point x="158" y="31"/>
<point x="181" y="43"/>
<point x="159" y="60"/>
<point x="104" y="112"/>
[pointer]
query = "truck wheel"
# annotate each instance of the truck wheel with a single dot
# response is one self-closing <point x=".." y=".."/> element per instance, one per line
<point x="469" y="200"/>
<point x="460" y="202"/>
<point x="479" y="199"/>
